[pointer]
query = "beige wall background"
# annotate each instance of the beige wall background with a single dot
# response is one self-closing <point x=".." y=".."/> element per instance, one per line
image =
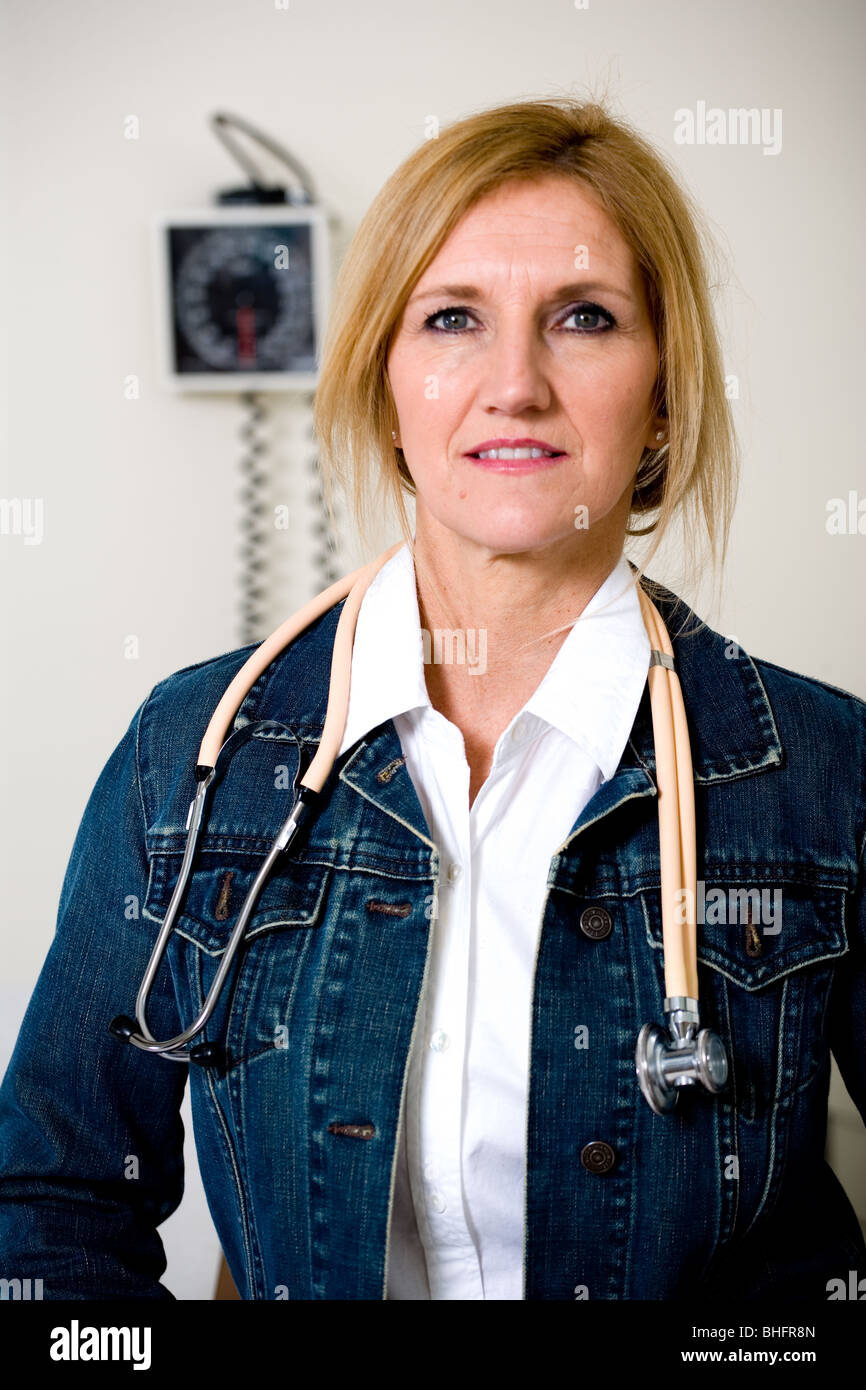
<point x="141" y="497"/>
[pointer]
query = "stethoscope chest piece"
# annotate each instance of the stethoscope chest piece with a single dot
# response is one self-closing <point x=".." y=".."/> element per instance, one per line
<point x="680" y="1056"/>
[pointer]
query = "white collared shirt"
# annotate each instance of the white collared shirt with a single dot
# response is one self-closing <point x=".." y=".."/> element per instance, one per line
<point x="457" y="1218"/>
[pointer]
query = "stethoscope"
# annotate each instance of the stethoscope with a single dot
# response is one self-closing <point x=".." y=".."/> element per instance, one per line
<point x="666" y="1059"/>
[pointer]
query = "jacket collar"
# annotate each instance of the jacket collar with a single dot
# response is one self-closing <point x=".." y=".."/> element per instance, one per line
<point x="732" y="730"/>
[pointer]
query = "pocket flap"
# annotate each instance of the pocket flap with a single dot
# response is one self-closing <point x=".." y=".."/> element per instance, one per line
<point x="756" y="932"/>
<point x="293" y="895"/>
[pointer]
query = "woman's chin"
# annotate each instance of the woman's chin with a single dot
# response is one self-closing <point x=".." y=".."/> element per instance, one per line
<point x="508" y="535"/>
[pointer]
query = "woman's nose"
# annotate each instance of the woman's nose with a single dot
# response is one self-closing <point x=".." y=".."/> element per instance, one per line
<point x="513" y="372"/>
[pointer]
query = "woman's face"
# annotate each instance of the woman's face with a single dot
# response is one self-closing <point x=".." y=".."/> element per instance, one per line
<point x="530" y="323"/>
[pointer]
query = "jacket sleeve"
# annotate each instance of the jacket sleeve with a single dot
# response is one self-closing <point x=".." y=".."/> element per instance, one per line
<point x="91" y="1140"/>
<point x="848" y="998"/>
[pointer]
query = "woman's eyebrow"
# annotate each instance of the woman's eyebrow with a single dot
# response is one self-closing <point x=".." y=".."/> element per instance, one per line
<point x="571" y="291"/>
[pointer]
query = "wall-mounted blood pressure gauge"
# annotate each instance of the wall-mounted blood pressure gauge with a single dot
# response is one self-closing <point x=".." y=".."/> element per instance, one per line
<point x="243" y="293"/>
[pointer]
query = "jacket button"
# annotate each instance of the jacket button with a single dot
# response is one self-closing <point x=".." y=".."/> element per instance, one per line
<point x="597" y="1157"/>
<point x="596" y="923"/>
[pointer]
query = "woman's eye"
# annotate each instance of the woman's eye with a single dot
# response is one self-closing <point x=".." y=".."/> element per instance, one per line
<point x="446" y="314"/>
<point x="591" y="311"/>
<point x="593" y="319"/>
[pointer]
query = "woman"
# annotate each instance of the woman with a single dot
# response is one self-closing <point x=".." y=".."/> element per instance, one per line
<point x="421" y="1072"/>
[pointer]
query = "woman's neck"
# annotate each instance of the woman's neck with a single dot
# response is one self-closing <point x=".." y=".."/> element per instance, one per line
<point x="492" y="624"/>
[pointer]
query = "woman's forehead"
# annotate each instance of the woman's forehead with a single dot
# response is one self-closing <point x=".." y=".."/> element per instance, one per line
<point x="558" y="231"/>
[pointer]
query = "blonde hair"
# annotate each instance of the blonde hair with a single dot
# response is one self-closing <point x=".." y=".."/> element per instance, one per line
<point x="696" y="471"/>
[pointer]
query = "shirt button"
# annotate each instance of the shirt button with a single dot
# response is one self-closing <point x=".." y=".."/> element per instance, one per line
<point x="437" y="1201"/>
<point x="596" y="923"/>
<point x="440" y="1041"/>
<point x="454" y="872"/>
<point x="597" y="1157"/>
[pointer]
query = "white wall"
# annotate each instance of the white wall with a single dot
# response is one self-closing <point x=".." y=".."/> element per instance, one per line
<point x="132" y="490"/>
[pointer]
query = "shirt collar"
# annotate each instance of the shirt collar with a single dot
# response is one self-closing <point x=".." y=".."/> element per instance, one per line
<point x="591" y="691"/>
<point x="387" y="661"/>
<point x="593" y="687"/>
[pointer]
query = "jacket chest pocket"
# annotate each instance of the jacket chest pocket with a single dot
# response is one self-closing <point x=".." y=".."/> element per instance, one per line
<point x="766" y="954"/>
<point x="278" y="947"/>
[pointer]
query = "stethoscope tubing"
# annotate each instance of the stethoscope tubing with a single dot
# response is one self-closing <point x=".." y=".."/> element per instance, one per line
<point x="352" y="587"/>
<point x="677" y="839"/>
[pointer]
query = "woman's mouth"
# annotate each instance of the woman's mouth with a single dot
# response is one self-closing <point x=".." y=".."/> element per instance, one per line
<point x="516" y="460"/>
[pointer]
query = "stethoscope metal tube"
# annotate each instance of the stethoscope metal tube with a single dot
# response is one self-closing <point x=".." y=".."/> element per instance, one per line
<point x="205" y="1054"/>
<point x="665" y="1062"/>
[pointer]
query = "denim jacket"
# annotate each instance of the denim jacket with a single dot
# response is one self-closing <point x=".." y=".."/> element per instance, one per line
<point x="296" y="1129"/>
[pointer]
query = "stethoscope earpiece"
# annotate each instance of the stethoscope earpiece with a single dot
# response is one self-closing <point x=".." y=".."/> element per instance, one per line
<point x="123" y="1027"/>
<point x="206" y="1054"/>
